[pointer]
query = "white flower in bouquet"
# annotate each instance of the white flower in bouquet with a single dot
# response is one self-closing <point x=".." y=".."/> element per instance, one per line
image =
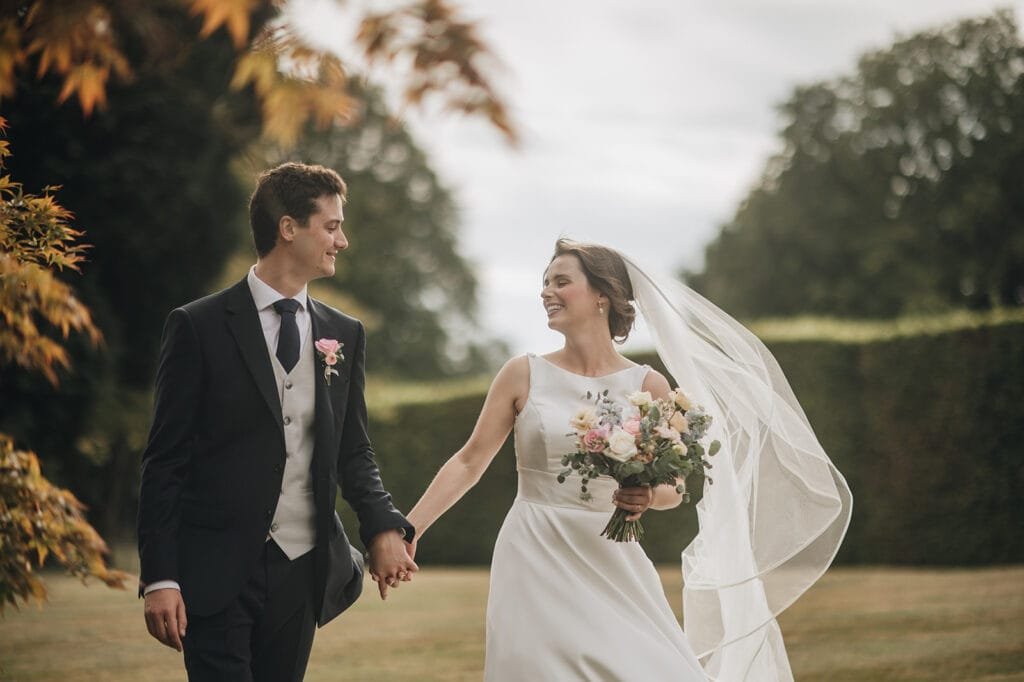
<point x="640" y="398"/>
<point x="681" y="401"/>
<point x="668" y="433"/>
<point x="584" y="420"/>
<point x="621" y="445"/>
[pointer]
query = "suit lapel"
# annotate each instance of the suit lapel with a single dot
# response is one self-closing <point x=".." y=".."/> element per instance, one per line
<point x="244" y="322"/>
<point x="326" y="425"/>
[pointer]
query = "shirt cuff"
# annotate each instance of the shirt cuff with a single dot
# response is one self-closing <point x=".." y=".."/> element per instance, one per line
<point x="161" y="585"/>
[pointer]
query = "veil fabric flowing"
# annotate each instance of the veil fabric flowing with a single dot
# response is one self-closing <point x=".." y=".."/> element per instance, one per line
<point x="776" y="510"/>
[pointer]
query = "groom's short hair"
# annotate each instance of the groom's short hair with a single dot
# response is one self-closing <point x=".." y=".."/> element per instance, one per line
<point x="289" y="189"/>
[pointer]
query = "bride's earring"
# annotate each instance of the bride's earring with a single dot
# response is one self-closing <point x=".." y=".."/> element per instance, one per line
<point x="600" y="308"/>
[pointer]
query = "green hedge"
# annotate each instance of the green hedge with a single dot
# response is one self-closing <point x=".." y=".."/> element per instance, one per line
<point x="929" y="431"/>
<point x="928" y="428"/>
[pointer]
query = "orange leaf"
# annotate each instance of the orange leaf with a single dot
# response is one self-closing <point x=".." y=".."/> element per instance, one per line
<point x="11" y="55"/>
<point x="233" y="14"/>
<point x="90" y="82"/>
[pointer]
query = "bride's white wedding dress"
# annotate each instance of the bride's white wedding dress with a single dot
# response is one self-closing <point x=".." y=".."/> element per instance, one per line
<point x="565" y="603"/>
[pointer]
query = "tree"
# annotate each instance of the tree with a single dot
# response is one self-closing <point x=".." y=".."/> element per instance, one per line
<point x="87" y="42"/>
<point x="897" y="189"/>
<point x="37" y="519"/>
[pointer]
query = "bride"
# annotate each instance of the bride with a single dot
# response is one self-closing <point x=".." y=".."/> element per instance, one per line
<point x="567" y="604"/>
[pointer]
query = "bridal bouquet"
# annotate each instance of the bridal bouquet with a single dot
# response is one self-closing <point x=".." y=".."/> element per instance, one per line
<point x="662" y="444"/>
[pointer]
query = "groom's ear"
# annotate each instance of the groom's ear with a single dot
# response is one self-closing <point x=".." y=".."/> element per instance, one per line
<point x="286" y="228"/>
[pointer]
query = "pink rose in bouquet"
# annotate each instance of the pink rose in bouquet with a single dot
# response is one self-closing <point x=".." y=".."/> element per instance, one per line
<point x="595" y="440"/>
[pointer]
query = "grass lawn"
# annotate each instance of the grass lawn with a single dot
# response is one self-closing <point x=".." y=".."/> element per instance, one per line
<point x="855" y="624"/>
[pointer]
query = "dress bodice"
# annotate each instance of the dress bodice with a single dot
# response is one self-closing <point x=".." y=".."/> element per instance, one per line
<point x="543" y="434"/>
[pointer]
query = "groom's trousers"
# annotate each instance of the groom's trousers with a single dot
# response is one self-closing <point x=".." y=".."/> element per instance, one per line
<point x="263" y="635"/>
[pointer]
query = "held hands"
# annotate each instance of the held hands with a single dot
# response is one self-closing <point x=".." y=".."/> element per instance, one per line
<point x="390" y="563"/>
<point x="634" y="500"/>
<point x="165" y="616"/>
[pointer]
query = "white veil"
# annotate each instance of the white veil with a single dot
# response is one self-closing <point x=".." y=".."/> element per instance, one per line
<point x="773" y="518"/>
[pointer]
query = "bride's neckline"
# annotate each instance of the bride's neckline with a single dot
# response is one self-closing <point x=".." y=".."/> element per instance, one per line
<point x="584" y="376"/>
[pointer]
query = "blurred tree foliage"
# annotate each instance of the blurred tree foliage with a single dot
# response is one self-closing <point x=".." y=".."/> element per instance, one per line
<point x="38" y="312"/>
<point x="39" y="520"/>
<point x="87" y="43"/>
<point x="144" y="113"/>
<point x="897" y="190"/>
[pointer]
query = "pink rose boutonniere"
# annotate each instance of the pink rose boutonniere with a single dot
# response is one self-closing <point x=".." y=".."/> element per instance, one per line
<point x="329" y="351"/>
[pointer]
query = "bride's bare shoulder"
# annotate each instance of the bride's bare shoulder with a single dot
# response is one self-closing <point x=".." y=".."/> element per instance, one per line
<point x="656" y="384"/>
<point x="516" y="370"/>
<point x="513" y="381"/>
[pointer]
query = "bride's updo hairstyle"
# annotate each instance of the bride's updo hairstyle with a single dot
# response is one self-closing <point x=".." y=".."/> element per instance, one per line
<point x="606" y="273"/>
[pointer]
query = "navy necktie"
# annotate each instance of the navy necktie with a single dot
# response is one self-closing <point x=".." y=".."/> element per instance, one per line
<point x="288" y="339"/>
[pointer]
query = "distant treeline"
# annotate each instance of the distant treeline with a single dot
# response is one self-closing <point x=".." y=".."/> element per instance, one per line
<point x="928" y="428"/>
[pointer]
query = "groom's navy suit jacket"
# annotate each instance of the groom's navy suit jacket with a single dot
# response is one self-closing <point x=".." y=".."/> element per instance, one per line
<point x="212" y="470"/>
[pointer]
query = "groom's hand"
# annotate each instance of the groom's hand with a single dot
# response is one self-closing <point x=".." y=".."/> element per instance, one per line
<point x="165" y="616"/>
<point x="390" y="564"/>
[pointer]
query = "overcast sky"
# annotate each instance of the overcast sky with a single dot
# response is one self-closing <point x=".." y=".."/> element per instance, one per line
<point x="644" y="123"/>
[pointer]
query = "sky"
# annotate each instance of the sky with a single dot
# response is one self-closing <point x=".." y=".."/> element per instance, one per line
<point x="644" y="124"/>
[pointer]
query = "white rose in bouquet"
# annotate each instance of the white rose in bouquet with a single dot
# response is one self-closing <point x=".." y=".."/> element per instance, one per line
<point x="621" y="445"/>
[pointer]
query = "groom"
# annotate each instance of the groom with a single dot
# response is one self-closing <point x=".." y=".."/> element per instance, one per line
<point x="259" y="416"/>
